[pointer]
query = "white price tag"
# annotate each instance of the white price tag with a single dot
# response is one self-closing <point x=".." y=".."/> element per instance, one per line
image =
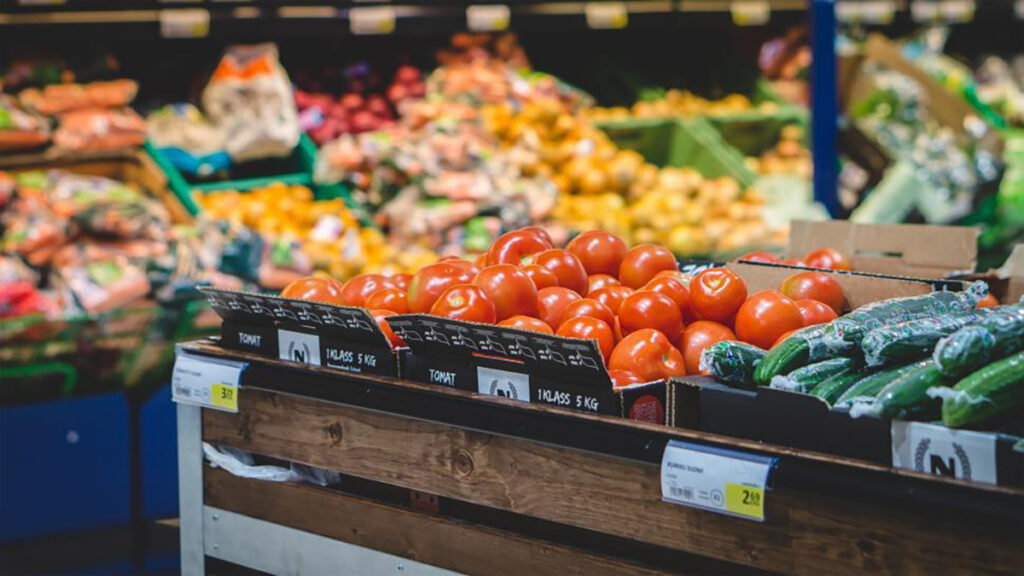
<point x="955" y="11"/>
<point x="372" y="20"/>
<point x="187" y="23"/>
<point x="606" y="15"/>
<point x="503" y="383"/>
<point x="867" y="11"/>
<point x="298" y="347"/>
<point x="719" y="480"/>
<point x="944" y="452"/>
<point x="488" y="18"/>
<point x="207" y="382"/>
<point x="750" y="12"/>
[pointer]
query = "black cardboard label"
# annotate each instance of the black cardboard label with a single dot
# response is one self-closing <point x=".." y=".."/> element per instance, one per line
<point x="355" y="357"/>
<point x="260" y="340"/>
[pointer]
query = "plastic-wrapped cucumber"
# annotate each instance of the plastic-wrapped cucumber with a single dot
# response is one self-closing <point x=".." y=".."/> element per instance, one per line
<point x="830" y="390"/>
<point x="805" y="346"/>
<point x="907" y="397"/>
<point x="845" y="334"/>
<point x="731" y="361"/>
<point x="977" y="345"/>
<point x="915" y="339"/>
<point x="806" y="378"/>
<point x="992" y="391"/>
<point x="869" y="386"/>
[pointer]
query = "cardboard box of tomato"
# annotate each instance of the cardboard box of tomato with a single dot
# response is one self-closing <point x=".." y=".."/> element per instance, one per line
<point x="315" y="333"/>
<point x="521" y="365"/>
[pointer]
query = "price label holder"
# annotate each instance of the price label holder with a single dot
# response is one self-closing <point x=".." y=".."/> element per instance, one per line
<point x="866" y="11"/>
<point x="488" y="18"/>
<point x="943" y="451"/>
<point x="372" y="20"/>
<point x="185" y="23"/>
<point x="750" y="12"/>
<point x="207" y="382"/>
<point x="606" y="15"/>
<point x="724" y="481"/>
<point x="954" y="11"/>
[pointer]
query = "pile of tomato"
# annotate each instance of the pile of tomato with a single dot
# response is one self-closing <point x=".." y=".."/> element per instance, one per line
<point x="650" y="321"/>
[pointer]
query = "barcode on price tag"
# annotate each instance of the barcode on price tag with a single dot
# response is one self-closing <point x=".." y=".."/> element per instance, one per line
<point x="207" y="382"/>
<point x="372" y="20"/>
<point x="605" y="15"/>
<point x="488" y="18"/>
<point x="724" y="481"/>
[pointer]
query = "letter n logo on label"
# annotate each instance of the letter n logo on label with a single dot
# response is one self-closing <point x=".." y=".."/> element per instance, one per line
<point x="495" y="382"/>
<point x="298" y="347"/>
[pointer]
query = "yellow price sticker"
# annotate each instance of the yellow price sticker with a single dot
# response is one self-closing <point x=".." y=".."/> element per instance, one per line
<point x="224" y="396"/>
<point x="744" y="500"/>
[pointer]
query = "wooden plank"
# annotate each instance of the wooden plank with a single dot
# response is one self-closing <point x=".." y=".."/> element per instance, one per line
<point x="804" y="534"/>
<point x="434" y="540"/>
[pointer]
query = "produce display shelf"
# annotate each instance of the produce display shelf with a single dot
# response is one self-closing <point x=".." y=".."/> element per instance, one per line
<point x="596" y="476"/>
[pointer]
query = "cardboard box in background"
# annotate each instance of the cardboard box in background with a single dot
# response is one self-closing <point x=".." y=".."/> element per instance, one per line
<point x="914" y="250"/>
<point x="520" y="365"/>
<point x="1006" y="283"/>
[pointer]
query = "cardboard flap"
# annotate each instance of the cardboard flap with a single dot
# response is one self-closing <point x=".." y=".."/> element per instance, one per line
<point x="572" y="358"/>
<point x="903" y="249"/>
<point x="354" y="324"/>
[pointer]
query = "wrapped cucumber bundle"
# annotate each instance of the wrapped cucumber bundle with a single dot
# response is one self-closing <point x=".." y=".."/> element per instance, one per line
<point x="830" y="390"/>
<point x="804" y="347"/>
<point x="865" y="389"/>
<point x="979" y="344"/>
<point x="844" y="335"/>
<point x="907" y="397"/>
<point x="808" y="377"/>
<point x="994" y="390"/>
<point x="731" y="361"/>
<point x="915" y="339"/>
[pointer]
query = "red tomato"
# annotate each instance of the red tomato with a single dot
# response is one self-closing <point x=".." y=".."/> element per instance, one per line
<point x="699" y="336"/>
<point x="988" y="301"/>
<point x="761" y="256"/>
<point x="649" y="355"/>
<point x="646" y="309"/>
<point x="539" y="232"/>
<point x="465" y="302"/>
<point x="356" y="290"/>
<point x="517" y="248"/>
<point x="600" y="252"/>
<point x="481" y="260"/>
<point x="783" y="337"/>
<point x="511" y="290"/>
<point x="393" y="339"/>
<point x="592" y="329"/>
<point x="527" y="323"/>
<point x="393" y="299"/>
<point x="315" y="289"/>
<point x="465" y="264"/>
<point x="542" y="277"/>
<point x="588" y="307"/>
<point x="765" y="316"/>
<point x="611" y="296"/>
<point x="552" y="302"/>
<point x="675" y="290"/>
<point x="677" y="274"/>
<point x="401" y="281"/>
<point x="598" y="281"/>
<point x="793" y="262"/>
<point x="622" y="378"/>
<point x="717" y="294"/>
<point x="643" y="262"/>
<point x="566" y="267"/>
<point x="827" y="258"/>
<point x="428" y="284"/>
<point x="820" y="286"/>
<point x="815" y="312"/>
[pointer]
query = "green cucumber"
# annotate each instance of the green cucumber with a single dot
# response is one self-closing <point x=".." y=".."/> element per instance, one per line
<point x="830" y="390"/>
<point x="845" y="334"/>
<point x="802" y="348"/>
<point x="994" y="390"/>
<point x="731" y="361"/>
<point x="870" y="385"/>
<point x="907" y="397"/>
<point x="915" y="339"/>
<point x="978" y="345"/>
<point x="806" y="378"/>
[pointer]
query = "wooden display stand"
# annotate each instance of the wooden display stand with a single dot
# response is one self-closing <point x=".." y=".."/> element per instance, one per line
<point x="438" y="480"/>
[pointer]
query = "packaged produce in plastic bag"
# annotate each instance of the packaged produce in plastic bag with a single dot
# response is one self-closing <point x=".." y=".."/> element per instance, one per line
<point x="972" y="347"/>
<point x="99" y="129"/>
<point x="915" y="339"/>
<point x="240" y="463"/>
<point x="250" y="98"/>
<point x="59" y="98"/>
<point x="731" y="361"/>
<point x="105" y="285"/>
<point x="806" y="378"/>
<point x="192" y="143"/>
<point x="20" y="129"/>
